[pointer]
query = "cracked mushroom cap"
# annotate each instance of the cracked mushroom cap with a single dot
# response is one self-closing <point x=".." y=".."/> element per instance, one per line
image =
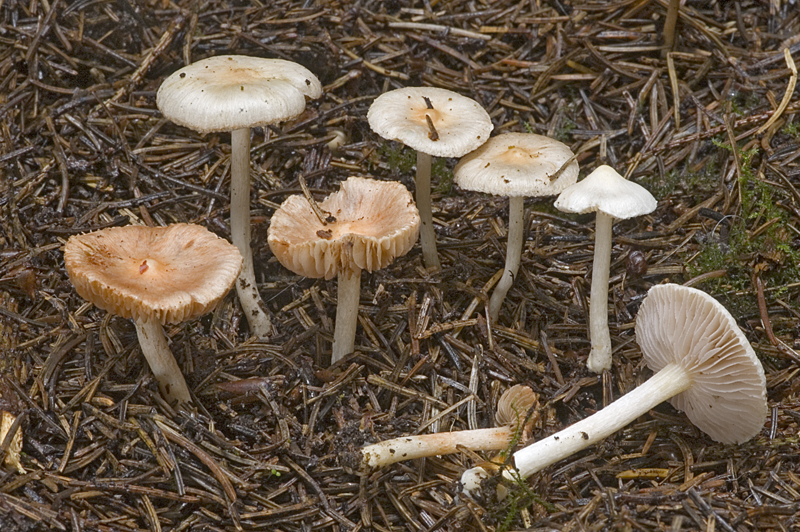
<point x="461" y="124"/>
<point x="230" y="92"/>
<point x="172" y="273"/>
<point x="606" y="191"/>
<point x="517" y="164"/>
<point x="682" y="325"/>
<point x="376" y="221"/>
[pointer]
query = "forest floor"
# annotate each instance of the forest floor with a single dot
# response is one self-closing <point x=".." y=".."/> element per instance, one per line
<point x="708" y="129"/>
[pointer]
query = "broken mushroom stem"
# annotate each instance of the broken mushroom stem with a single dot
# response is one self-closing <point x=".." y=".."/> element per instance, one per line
<point x="410" y="447"/>
<point x="153" y="343"/>
<point x="246" y="287"/>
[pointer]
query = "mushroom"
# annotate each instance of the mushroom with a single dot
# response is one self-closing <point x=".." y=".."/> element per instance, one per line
<point x="434" y="122"/>
<point x="234" y="93"/>
<point x="154" y="275"/>
<point x="611" y="196"/>
<point x="704" y="366"/>
<point x="516" y="165"/>
<point x="512" y="408"/>
<point x="375" y="221"/>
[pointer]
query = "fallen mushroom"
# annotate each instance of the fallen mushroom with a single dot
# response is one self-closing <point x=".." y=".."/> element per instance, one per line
<point x="512" y="408"/>
<point x="154" y="275"/>
<point x="704" y="366"/>
<point x="375" y="221"/>
<point x="517" y="165"/>
<point x="434" y="122"/>
<point x="234" y="93"/>
<point x="611" y="196"/>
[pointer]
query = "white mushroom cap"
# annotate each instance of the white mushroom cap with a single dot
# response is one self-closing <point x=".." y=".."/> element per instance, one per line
<point x="172" y="273"/>
<point x="682" y="325"/>
<point x="230" y="92"/>
<point x="460" y="122"/>
<point x="376" y="221"/>
<point x="517" y="164"/>
<point x="606" y="191"/>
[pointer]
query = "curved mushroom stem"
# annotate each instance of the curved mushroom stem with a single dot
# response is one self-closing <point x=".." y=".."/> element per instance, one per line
<point x="165" y="369"/>
<point x="427" y="237"/>
<point x="410" y="447"/>
<point x="600" y="357"/>
<point x="246" y="287"/>
<point x="670" y="381"/>
<point x="516" y="210"/>
<point x="349" y="295"/>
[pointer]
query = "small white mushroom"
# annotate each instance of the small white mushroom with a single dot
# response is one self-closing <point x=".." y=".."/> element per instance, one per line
<point x="517" y="165"/>
<point x="435" y="122"/>
<point x="234" y="93"/>
<point x="611" y="196"/>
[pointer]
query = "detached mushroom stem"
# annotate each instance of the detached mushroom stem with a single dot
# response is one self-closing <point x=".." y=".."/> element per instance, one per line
<point x="411" y="447"/>
<point x="349" y="295"/>
<point x="165" y="369"/>
<point x="427" y="236"/>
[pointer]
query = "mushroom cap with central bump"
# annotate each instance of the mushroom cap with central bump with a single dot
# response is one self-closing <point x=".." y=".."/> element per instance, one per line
<point x="681" y="325"/>
<point x="517" y="164"/>
<point x="376" y="221"/>
<point x="606" y="191"/>
<point x="460" y="122"/>
<point x="230" y="92"/>
<point x="172" y="273"/>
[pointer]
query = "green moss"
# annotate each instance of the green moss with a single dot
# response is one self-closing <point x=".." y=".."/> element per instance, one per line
<point x="771" y="251"/>
<point x="403" y="160"/>
<point x="793" y="130"/>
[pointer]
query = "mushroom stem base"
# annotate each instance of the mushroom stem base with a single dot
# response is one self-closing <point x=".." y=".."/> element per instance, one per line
<point x="349" y="294"/>
<point x="516" y="225"/>
<point x="670" y="381"/>
<point x="162" y="363"/>
<point x="427" y="236"/>
<point x="246" y="287"/>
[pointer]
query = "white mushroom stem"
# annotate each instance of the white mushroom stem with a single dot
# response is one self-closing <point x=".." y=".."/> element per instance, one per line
<point x="162" y="363"/>
<point x="246" y="287"/>
<point x="600" y="356"/>
<point x="411" y="447"/>
<point x="349" y="295"/>
<point x="427" y="236"/>
<point x="670" y="381"/>
<point x="516" y="210"/>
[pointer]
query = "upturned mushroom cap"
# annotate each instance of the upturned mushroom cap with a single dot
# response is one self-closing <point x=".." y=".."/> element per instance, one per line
<point x="517" y="164"/>
<point x="682" y="325"/>
<point x="376" y="221"/>
<point x="460" y="122"/>
<point x="606" y="191"/>
<point x="230" y="92"/>
<point x="514" y="405"/>
<point x="172" y="273"/>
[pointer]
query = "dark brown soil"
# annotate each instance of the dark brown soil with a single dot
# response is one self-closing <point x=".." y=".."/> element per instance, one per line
<point x="83" y="146"/>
